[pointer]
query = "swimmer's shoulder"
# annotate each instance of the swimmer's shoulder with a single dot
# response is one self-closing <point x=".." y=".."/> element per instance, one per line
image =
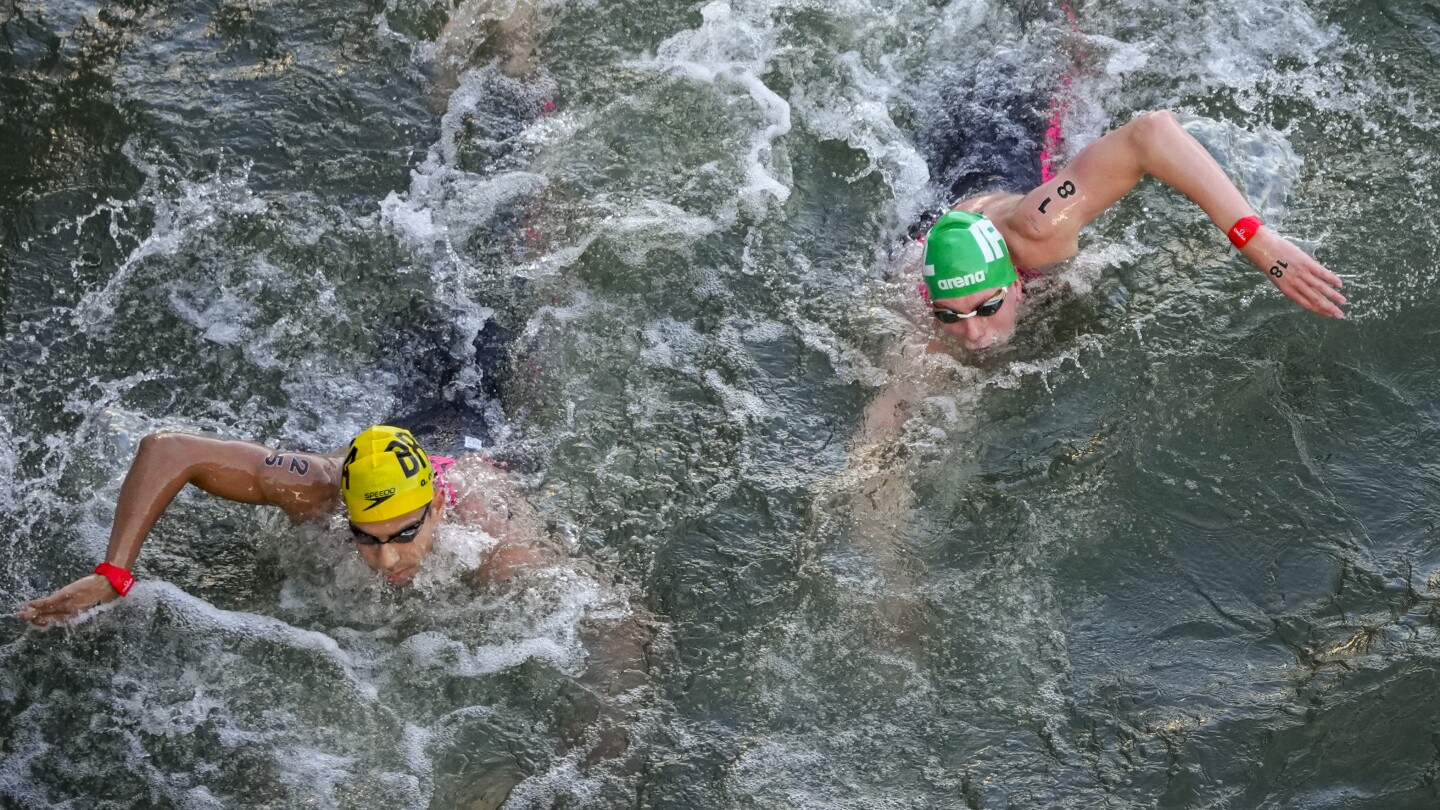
<point x="306" y="486"/>
<point x="1023" y="229"/>
<point x="992" y="204"/>
<point x="1003" y="209"/>
<point x="484" y="491"/>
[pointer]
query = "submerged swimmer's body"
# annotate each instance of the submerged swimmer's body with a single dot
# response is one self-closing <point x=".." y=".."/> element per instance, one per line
<point x="511" y="30"/>
<point x="503" y="34"/>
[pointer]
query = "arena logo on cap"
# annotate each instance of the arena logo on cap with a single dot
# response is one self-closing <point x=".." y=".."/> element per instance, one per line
<point x="961" y="281"/>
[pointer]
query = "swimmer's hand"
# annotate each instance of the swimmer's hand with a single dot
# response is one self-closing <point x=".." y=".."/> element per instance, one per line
<point x="82" y="594"/>
<point x="1292" y="271"/>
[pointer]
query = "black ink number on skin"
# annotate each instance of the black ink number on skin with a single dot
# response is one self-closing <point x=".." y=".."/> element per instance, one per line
<point x="275" y="460"/>
<point x="1275" y="268"/>
<point x="299" y="466"/>
<point x="1065" y="190"/>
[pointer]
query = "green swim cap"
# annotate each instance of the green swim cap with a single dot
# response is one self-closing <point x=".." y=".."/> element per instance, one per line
<point x="964" y="253"/>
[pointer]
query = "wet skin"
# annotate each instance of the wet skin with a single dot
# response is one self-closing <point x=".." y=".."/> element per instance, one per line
<point x="1042" y="227"/>
<point x="305" y="486"/>
<point x="980" y="332"/>
<point x="400" y="562"/>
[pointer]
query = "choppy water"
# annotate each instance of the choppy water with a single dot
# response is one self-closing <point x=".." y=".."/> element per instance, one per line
<point x="1175" y="547"/>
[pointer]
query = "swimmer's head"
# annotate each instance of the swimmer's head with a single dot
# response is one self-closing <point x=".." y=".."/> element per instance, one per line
<point x="385" y="475"/>
<point x="389" y="490"/>
<point x="973" y="289"/>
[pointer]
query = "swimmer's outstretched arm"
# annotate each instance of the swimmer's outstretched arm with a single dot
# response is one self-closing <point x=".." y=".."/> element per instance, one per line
<point x="1048" y="220"/>
<point x="300" y="483"/>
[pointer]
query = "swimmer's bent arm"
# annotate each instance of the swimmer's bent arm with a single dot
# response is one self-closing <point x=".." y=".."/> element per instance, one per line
<point x="489" y="501"/>
<point x="1048" y="220"/>
<point x="300" y="483"/>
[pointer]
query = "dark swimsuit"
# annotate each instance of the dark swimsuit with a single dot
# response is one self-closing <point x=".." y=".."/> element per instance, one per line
<point x="1012" y="151"/>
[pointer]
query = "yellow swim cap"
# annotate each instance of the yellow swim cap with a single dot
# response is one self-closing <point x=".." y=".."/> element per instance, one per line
<point x="385" y="475"/>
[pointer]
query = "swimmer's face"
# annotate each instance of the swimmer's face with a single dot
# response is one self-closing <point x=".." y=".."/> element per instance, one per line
<point x="981" y="332"/>
<point x="400" y="562"/>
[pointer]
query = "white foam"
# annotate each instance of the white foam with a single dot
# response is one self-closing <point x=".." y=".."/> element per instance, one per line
<point x="445" y="205"/>
<point x="673" y="344"/>
<point x="427" y="649"/>
<point x="458" y="550"/>
<point x="413" y="749"/>
<point x="172" y="718"/>
<point x="743" y="407"/>
<point x="730" y="53"/>
<point x="858" y="113"/>
<point x="181" y="211"/>
<point x="1123" y="58"/>
<point x="8" y="461"/>
<point x="26" y="747"/>
<point x="650" y="224"/>
<point x="766" y="331"/>
<point x="223" y="320"/>
<point x="540" y="618"/>
<point x="563" y="779"/>
<point x="313" y="773"/>
<point x="203" y="615"/>
<point x="579" y="308"/>
<point x="200" y="798"/>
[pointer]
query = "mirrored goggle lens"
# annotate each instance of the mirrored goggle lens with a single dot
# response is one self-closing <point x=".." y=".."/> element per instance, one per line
<point x="985" y="310"/>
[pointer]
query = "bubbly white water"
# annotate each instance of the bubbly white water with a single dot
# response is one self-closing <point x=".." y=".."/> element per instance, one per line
<point x="696" y="245"/>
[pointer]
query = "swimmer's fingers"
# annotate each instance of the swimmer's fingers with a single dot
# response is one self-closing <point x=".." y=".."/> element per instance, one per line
<point x="1332" y="281"/>
<point x="1307" y="297"/>
<point x="1321" y="282"/>
<point x="82" y="594"/>
<point x="1296" y="274"/>
<point x="1307" y="283"/>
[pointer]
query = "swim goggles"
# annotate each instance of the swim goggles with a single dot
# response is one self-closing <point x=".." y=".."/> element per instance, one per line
<point x="405" y="535"/>
<point x="985" y="310"/>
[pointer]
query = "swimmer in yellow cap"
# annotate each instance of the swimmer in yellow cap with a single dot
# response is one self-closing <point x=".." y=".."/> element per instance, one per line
<point x="393" y="492"/>
<point x="394" y="496"/>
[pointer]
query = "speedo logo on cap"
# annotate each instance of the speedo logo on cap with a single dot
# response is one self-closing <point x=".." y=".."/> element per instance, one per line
<point x="377" y="498"/>
<point x="961" y="281"/>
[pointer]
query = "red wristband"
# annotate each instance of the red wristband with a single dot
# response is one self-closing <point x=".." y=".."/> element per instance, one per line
<point x="1242" y="231"/>
<point x="120" y="579"/>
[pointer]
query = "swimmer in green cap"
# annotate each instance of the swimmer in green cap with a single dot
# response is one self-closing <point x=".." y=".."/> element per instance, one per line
<point x="972" y="269"/>
<point x="972" y="252"/>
